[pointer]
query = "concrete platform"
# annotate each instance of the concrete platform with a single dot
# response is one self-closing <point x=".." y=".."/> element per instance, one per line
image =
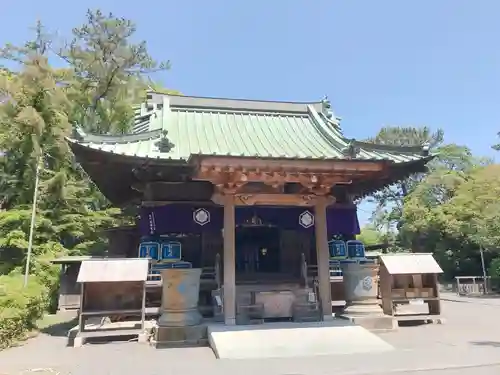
<point x="288" y="340"/>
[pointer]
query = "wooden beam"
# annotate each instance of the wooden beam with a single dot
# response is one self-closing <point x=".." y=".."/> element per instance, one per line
<point x="147" y="203"/>
<point x="217" y="201"/>
<point x="144" y="186"/>
<point x="231" y="180"/>
<point x="318" y="165"/>
<point x="300" y="200"/>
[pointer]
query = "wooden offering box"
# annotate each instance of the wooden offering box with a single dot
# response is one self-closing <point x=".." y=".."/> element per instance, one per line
<point x="116" y="289"/>
<point x="409" y="288"/>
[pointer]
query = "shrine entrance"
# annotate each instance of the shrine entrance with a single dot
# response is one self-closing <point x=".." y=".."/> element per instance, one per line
<point x="257" y="252"/>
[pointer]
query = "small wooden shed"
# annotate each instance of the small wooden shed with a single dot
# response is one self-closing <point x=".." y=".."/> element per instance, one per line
<point x="409" y="282"/>
<point x="115" y="289"/>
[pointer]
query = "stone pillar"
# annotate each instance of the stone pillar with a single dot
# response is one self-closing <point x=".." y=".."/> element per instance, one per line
<point x="229" y="298"/>
<point x="323" y="258"/>
<point x="180" y="293"/>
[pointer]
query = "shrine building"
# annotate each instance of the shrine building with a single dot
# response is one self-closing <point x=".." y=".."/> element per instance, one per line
<point x="252" y="192"/>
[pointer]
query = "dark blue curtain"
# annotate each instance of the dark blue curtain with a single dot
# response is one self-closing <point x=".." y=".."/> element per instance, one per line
<point x="186" y="218"/>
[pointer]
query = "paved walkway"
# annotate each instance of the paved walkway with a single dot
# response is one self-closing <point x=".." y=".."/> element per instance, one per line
<point x="493" y="300"/>
<point x="132" y="359"/>
<point x="468" y="343"/>
<point x="489" y="370"/>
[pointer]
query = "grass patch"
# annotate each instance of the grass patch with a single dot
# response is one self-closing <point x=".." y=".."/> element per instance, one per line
<point x="57" y="324"/>
<point x="49" y="320"/>
<point x="51" y="324"/>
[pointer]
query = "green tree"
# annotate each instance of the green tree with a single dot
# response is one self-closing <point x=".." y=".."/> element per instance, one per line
<point x="474" y="210"/>
<point x="389" y="201"/>
<point x="39" y="106"/>
<point x="453" y="213"/>
<point x="33" y="123"/>
<point x="370" y="236"/>
<point x="109" y="72"/>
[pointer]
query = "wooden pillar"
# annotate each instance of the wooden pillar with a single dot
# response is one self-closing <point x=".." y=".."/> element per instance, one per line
<point x="323" y="257"/>
<point x="229" y="262"/>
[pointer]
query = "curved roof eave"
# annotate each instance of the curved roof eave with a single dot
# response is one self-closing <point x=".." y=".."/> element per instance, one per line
<point x="337" y="139"/>
<point x="79" y="149"/>
<point x="83" y="137"/>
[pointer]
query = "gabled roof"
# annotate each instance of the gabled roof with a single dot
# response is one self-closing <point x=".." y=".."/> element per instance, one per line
<point x="410" y="263"/>
<point x="73" y="259"/>
<point x="170" y="127"/>
<point x="113" y="270"/>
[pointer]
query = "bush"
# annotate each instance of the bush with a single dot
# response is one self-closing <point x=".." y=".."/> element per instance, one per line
<point x="20" y="307"/>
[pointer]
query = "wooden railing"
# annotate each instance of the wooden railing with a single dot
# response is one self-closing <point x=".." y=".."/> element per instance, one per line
<point x="303" y="270"/>
<point x="218" y="278"/>
<point x="472" y="285"/>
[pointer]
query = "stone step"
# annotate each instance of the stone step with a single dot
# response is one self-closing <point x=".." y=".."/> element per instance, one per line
<point x="293" y="340"/>
<point x="306" y="319"/>
<point x="306" y="312"/>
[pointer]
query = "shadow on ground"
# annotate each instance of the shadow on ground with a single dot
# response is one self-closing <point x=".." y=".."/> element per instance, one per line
<point x="412" y="323"/>
<point x="60" y="329"/>
<point x="493" y="344"/>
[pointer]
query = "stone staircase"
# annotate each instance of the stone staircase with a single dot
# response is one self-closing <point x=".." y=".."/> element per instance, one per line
<point x="304" y="308"/>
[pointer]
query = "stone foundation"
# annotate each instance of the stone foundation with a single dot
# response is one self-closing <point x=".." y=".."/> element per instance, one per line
<point x="373" y="323"/>
<point x="369" y="315"/>
<point x="169" y="337"/>
<point x="363" y="307"/>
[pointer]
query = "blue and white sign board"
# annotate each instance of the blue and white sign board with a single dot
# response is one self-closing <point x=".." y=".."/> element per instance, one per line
<point x="337" y="249"/>
<point x="335" y="269"/>
<point x="149" y="250"/>
<point x="355" y="249"/>
<point x="171" y="251"/>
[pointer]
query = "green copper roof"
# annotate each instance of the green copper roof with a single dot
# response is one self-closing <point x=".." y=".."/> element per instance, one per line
<point x="240" y="128"/>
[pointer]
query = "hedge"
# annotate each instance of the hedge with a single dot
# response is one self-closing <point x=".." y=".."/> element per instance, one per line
<point x="20" y="307"/>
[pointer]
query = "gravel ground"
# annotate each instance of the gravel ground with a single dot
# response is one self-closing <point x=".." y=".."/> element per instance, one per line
<point x="469" y="338"/>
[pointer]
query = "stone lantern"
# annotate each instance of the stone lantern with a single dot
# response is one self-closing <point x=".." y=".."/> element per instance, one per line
<point x="361" y="293"/>
<point x="180" y="293"/>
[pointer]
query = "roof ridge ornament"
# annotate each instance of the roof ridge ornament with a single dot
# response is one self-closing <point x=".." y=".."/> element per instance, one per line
<point x="329" y="115"/>
<point x="78" y="133"/>
<point x="326" y="108"/>
<point x="426" y="146"/>
<point x="352" y="150"/>
<point x="164" y="145"/>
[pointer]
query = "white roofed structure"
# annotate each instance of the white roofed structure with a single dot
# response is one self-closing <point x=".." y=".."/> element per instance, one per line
<point x="410" y="263"/>
<point x="113" y="270"/>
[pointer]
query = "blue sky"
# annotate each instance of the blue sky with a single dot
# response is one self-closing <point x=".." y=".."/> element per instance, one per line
<point x="385" y="62"/>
